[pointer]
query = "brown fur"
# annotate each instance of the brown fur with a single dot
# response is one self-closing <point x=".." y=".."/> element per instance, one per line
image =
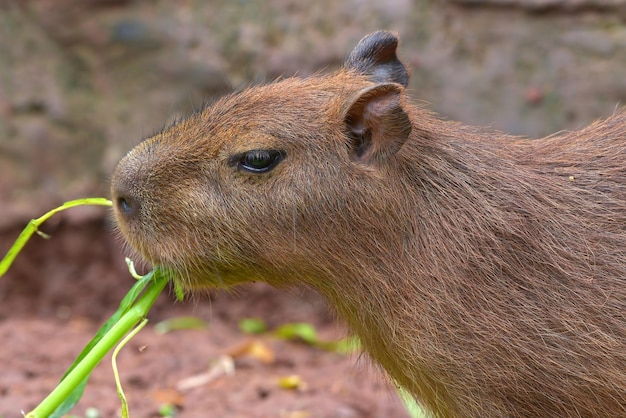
<point x="486" y="273"/>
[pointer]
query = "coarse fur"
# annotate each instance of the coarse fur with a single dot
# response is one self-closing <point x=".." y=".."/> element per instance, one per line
<point x="485" y="272"/>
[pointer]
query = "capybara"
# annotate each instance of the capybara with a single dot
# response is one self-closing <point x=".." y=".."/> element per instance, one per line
<point x="486" y="273"/>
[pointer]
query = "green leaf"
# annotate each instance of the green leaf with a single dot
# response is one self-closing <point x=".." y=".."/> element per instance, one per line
<point x="180" y="323"/>
<point x="298" y="330"/>
<point x="125" y="305"/>
<point x="343" y="346"/>
<point x="73" y="398"/>
<point x="167" y="410"/>
<point x="133" y="309"/>
<point x="252" y="325"/>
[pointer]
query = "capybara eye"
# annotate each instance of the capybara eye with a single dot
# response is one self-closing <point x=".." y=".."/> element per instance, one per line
<point x="258" y="160"/>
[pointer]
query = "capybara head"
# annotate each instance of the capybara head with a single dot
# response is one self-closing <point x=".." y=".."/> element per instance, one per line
<point x="486" y="273"/>
<point x="241" y="189"/>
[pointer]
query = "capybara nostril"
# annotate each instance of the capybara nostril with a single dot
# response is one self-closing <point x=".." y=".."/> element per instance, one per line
<point x="127" y="206"/>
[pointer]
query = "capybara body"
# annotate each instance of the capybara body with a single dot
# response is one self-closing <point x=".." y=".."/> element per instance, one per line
<point x="486" y="273"/>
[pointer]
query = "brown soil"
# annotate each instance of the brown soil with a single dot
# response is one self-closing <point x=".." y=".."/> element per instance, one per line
<point x="60" y="291"/>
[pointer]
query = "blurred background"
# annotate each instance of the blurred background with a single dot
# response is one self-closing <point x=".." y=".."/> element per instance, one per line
<point x="82" y="81"/>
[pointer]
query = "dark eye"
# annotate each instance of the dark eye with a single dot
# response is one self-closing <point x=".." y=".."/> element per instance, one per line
<point x="258" y="160"/>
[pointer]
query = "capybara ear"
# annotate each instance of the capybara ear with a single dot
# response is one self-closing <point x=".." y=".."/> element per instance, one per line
<point x="375" y="56"/>
<point x="377" y="124"/>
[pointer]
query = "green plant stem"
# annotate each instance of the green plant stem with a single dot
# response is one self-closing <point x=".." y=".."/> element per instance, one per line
<point x="116" y="374"/>
<point x="82" y="370"/>
<point x="34" y="224"/>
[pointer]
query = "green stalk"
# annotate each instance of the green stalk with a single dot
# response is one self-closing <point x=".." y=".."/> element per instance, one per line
<point x="116" y="374"/>
<point x="117" y="332"/>
<point x="34" y="224"/>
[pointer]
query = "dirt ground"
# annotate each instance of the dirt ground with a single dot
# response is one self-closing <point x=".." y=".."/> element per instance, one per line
<point x="60" y="291"/>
